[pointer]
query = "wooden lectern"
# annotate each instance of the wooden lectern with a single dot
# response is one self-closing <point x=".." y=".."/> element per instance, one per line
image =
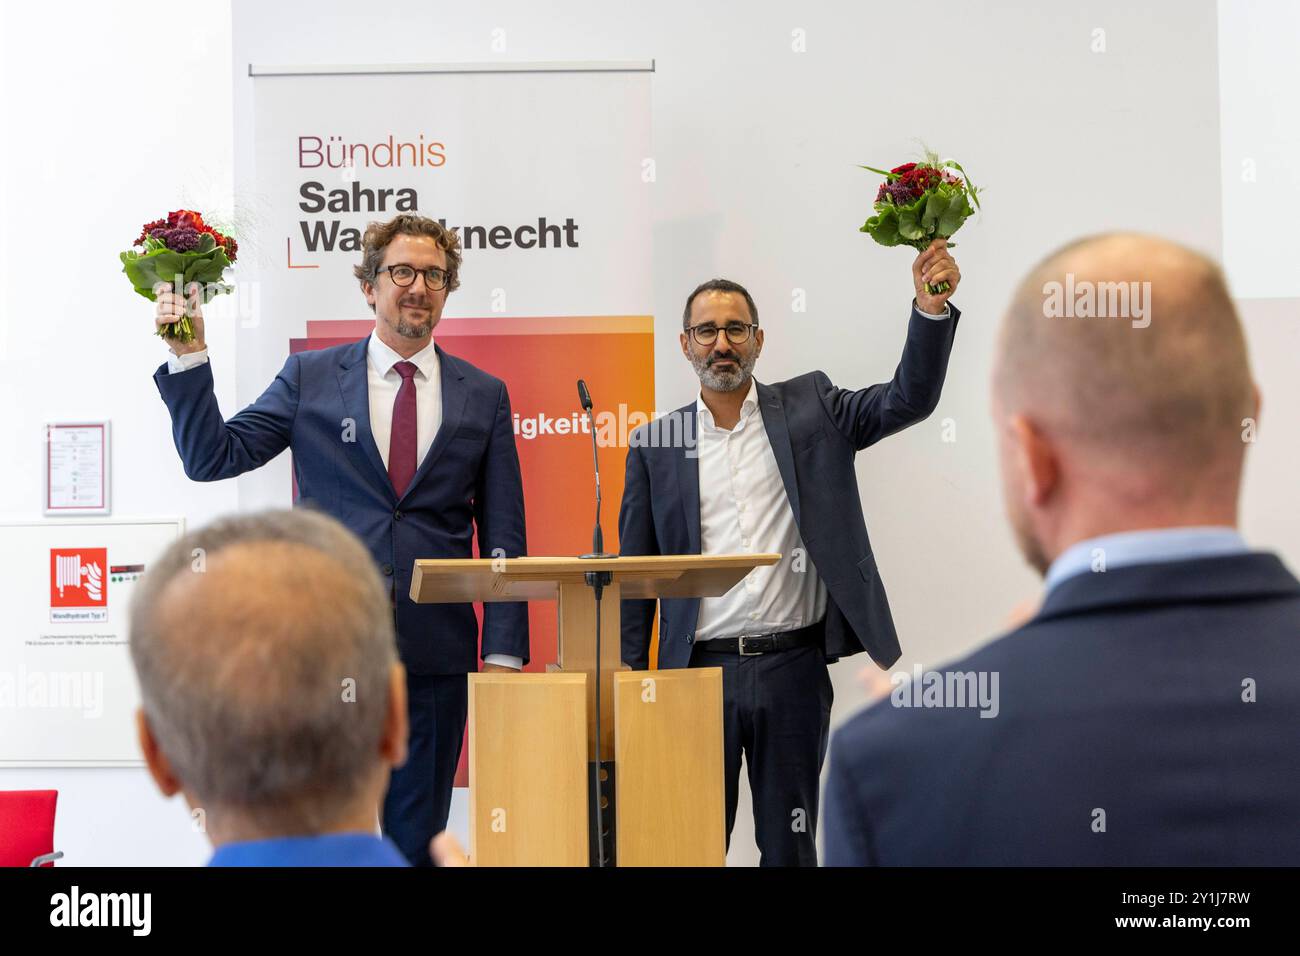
<point x="533" y="740"/>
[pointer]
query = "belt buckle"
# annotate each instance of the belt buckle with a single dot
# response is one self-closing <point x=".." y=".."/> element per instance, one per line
<point x="740" y="644"/>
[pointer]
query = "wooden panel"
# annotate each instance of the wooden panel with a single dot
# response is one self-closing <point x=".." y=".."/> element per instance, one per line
<point x="668" y="768"/>
<point x="577" y="653"/>
<point x="450" y="580"/>
<point x="528" y="769"/>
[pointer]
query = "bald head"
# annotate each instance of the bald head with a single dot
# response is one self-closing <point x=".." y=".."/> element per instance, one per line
<point x="265" y="651"/>
<point x="1162" y="386"/>
<point x="1121" y="390"/>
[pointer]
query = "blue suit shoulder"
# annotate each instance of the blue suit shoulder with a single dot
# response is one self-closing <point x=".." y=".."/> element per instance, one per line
<point x="664" y="431"/>
<point x="808" y="387"/>
<point x="808" y="383"/>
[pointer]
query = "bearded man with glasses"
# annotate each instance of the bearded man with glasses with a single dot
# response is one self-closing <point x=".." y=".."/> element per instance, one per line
<point x="752" y="468"/>
<point x="413" y="450"/>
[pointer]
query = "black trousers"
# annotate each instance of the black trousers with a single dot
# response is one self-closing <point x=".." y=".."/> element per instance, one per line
<point x="419" y="792"/>
<point x="776" y="709"/>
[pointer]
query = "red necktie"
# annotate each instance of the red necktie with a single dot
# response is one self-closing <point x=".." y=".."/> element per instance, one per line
<point x="402" y="441"/>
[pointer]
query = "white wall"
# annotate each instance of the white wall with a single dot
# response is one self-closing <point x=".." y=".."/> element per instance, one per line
<point x="755" y="147"/>
<point x="107" y="128"/>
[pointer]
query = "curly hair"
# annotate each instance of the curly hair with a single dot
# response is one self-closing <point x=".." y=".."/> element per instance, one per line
<point x="380" y="234"/>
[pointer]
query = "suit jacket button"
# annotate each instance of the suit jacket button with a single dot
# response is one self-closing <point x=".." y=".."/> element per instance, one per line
<point x="690" y="638"/>
<point x="388" y="570"/>
<point x="397" y="516"/>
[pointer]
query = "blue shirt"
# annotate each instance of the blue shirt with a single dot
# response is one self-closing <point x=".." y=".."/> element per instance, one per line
<point x="329" y="849"/>
<point x="1144" y="547"/>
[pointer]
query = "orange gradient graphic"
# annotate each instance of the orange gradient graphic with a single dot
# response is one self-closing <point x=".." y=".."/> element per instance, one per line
<point x="541" y="360"/>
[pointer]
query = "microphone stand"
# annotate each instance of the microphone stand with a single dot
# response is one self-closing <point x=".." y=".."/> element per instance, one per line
<point x="597" y="580"/>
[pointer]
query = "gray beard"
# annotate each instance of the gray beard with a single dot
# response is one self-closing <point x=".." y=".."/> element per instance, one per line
<point x="408" y="329"/>
<point x="724" y="380"/>
<point x="411" y="331"/>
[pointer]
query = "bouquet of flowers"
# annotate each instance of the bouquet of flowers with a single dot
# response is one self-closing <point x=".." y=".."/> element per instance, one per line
<point x="179" y="249"/>
<point x="920" y="202"/>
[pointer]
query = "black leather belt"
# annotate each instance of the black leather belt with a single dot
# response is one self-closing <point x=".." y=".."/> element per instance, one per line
<point x="811" y="636"/>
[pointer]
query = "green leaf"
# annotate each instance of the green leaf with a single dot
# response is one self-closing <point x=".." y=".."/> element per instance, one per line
<point x="142" y="275"/>
<point x="957" y="212"/>
<point x="935" y="205"/>
<point x="166" y="264"/>
<point x="207" y="270"/>
<point x="971" y="187"/>
<point x="883" y="227"/>
<point x="909" y="220"/>
<point x="909" y="224"/>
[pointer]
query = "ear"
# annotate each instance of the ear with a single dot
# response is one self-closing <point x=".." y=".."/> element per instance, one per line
<point x="368" y="290"/>
<point x="1035" y="460"/>
<point x="686" y="344"/>
<point x="392" y="745"/>
<point x="758" y="338"/>
<point x="154" y="758"/>
<point x="1259" y="403"/>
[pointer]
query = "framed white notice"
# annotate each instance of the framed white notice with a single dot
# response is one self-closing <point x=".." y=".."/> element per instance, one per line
<point x="77" y="460"/>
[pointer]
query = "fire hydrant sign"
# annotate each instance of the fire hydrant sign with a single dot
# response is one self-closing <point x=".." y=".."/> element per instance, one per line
<point x="68" y="694"/>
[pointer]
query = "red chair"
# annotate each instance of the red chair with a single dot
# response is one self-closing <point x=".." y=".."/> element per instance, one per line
<point x="27" y="827"/>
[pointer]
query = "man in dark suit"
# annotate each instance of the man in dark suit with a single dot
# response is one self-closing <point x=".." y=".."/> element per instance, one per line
<point x="749" y="467"/>
<point x="1149" y="712"/>
<point x="412" y="449"/>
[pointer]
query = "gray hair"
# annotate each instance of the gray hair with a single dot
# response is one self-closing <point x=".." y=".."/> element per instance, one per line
<point x="264" y="646"/>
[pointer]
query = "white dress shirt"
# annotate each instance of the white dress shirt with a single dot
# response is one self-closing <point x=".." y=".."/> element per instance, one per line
<point x="383" y="382"/>
<point x="744" y="510"/>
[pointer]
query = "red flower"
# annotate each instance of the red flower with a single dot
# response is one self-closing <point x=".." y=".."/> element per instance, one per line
<point x="150" y="227"/>
<point x="188" y="219"/>
<point x="905" y="168"/>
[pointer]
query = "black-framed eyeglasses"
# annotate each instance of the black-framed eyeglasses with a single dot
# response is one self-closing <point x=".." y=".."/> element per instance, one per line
<point x="738" y="333"/>
<point x="404" y="275"/>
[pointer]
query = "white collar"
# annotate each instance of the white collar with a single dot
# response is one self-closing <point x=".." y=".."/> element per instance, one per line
<point x="748" y="405"/>
<point x="383" y="358"/>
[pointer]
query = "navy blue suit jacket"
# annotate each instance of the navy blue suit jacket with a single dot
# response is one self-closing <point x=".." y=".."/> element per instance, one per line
<point x="1124" y="694"/>
<point x="815" y="431"/>
<point x="469" y="477"/>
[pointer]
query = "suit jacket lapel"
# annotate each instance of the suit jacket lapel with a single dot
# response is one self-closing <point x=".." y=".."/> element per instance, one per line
<point x="688" y="477"/>
<point x="355" y="387"/>
<point x="778" y="436"/>
<point x="454" y="396"/>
